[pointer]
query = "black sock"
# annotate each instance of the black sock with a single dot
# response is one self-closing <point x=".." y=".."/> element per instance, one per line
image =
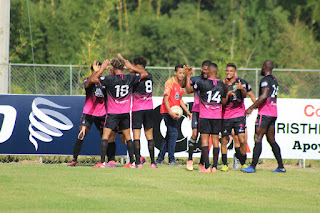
<point x="205" y="154"/>
<point x="201" y="159"/>
<point x="277" y="153"/>
<point x="111" y="151"/>
<point x="224" y="159"/>
<point x="137" y="151"/>
<point x="151" y="150"/>
<point x="103" y="150"/>
<point x="243" y="159"/>
<point x="76" y="150"/>
<point x="238" y="153"/>
<point x="215" y="156"/>
<point x="192" y="145"/>
<point x="256" y="154"/>
<point x="130" y="147"/>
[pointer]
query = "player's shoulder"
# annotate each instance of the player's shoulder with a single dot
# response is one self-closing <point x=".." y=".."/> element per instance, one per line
<point x="195" y="78"/>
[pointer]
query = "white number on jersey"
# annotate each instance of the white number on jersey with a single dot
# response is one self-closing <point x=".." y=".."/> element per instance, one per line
<point x="275" y="91"/>
<point x="216" y="97"/>
<point x="122" y="90"/>
<point x="148" y="85"/>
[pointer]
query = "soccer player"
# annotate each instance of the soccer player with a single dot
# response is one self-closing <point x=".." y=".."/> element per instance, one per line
<point x="142" y="112"/>
<point x="94" y="111"/>
<point x="212" y="94"/>
<point x="195" y="116"/>
<point x="118" y="88"/>
<point x="234" y="115"/>
<point x="172" y="97"/>
<point x="267" y="116"/>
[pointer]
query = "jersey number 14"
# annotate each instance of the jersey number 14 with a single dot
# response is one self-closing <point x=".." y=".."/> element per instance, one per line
<point x="216" y="97"/>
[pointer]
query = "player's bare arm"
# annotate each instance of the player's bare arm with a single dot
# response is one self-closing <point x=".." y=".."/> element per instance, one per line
<point x="185" y="108"/>
<point x="94" y="78"/>
<point x="252" y="96"/>
<point x="239" y="86"/>
<point x="188" y="73"/>
<point x="262" y="98"/>
<point x="129" y="66"/>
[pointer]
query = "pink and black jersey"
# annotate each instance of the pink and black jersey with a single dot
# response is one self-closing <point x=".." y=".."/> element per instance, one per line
<point x="269" y="107"/>
<point x="119" y="90"/>
<point x="211" y="92"/>
<point x="142" y="94"/>
<point x="195" y="107"/>
<point x="95" y="104"/>
<point x="235" y="106"/>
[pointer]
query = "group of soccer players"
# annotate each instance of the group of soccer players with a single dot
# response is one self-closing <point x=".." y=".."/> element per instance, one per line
<point x="218" y="109"/>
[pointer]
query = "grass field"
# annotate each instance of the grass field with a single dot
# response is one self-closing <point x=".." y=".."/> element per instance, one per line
<point x="58" y="188"/>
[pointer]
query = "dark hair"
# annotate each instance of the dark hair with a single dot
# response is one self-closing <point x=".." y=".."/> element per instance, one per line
<point x="117" y="63"/>
<point x="213" y="65"/>
<point x="206" y="63"/>
<point x="140" y="61"/>
<point x="92" y="66"/>
<point x="178" y="66"/>
<point x="231" y="65"/>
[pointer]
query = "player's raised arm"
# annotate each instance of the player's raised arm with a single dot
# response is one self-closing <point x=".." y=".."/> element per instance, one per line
<point x="262" y="98"/>
<point x="94" y="78"/>
<point x="129" y="66"/>
<point x="188" y="71"/>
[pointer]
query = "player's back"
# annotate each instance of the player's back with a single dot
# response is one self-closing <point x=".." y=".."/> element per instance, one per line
<point x="119" y="90"/>
<point x="95" y="101"/>
<point x="269" y="107"/>
<point x="142" y="94"/>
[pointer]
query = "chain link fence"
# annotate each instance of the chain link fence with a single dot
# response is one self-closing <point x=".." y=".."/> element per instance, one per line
<point x="67" y="80"/>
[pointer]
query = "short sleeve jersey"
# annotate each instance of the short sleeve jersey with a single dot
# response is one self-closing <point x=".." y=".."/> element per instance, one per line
<point x="195" y="107"/>
<point x="235" y="106"/>
<point x="142" y="94"/>
<point x="95" y="102"/>
<point x="175" y="92"/>
<point x="269" y="107"/>
<point x="118" y="89"/>
<point x="211" y="92"/>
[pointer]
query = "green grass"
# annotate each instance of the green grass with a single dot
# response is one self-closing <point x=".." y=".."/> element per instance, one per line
<point x="58" y="188"/>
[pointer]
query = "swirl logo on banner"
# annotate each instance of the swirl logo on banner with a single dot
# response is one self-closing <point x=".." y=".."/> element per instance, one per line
<point x="48" y="122"/>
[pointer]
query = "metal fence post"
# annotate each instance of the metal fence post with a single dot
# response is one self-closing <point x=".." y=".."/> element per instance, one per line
<point x="9" y="80"/>
<point x="70" y="79"/>
<point x="257" y="82"/>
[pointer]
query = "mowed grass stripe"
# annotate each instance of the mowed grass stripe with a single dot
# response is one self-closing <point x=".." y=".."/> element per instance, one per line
<point x="52" y="188"/>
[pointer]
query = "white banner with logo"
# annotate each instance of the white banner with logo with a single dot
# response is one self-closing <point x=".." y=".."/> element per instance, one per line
<point x="297" y="130"/>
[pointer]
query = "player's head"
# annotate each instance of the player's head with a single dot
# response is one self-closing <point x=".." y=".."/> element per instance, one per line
<point x="212" y="70"/>
<point x="139" y="62"/>
<point x="267" y="67"/>
<point x="204" y="68"/>
<point x="231" y="70"/>
<point x="179" y="72"/>
<point x="117" y="64"/>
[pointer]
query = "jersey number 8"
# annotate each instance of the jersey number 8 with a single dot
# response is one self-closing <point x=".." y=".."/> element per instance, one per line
<point x="148" y="85"/>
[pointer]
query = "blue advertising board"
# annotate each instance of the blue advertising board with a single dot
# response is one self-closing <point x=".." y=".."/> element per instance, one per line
<point x="45" y="125"/>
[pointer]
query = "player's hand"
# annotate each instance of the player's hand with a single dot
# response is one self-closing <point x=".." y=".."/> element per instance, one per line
<point x="189" y="115"/>
<point x="174" y="116"/>
<point x="96" y="66"/>
<point x="249" y="111"/>
<point x="127" y="63"/>
<point x="238" y="85"/>
<point x="230" y="93"/>
<point x="105" y="64"/>
<point x="188" y="70"/>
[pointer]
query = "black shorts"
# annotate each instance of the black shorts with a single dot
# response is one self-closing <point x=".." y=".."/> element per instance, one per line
<point x="144" y="117"/>
<point x="115" y="120"/>
<point x="238" y="124"/>
<point x="195" y="120"/>
<point x="265" y="122"/>
<point x="210" y="126"/>
<point x="87" y="120"/>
